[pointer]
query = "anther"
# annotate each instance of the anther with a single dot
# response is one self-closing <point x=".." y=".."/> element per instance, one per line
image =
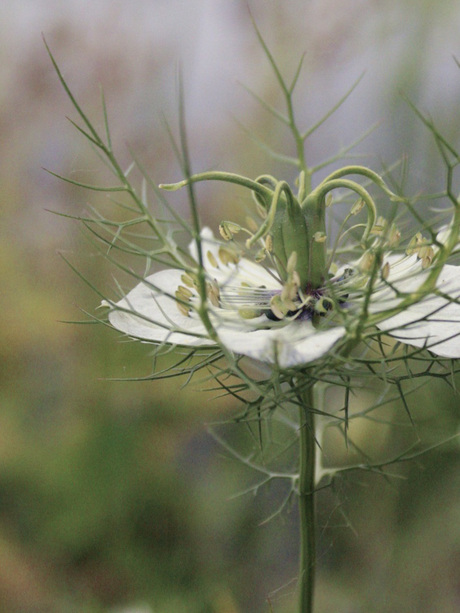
<point x="212" y="260"/>
<point x="323" y="305"/>
<point x="187" y="280"/>
<point x="212" y="292"/>
<point x="366" y="263"/>
<point x="183" y="296"/>
<point x="183" y="309"/>
<point x="291" y="263"/>
<point x="251" y="224"/>
<point x="249" y="313"/>
<point x="357" y="207"/>
<point x="260" y="255"/>
<point x="228" y="256"/>
<point x="227" y="229"/>
<point x="385" y="270"/>
<point x="319" y="237"/>
<point x="184" y="292"/>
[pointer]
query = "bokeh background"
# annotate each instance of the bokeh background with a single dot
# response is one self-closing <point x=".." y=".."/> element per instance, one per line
<point x="112" y="496"/>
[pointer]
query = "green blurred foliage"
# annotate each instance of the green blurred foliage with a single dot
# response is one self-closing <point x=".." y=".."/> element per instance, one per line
<point x="112" y="496"/>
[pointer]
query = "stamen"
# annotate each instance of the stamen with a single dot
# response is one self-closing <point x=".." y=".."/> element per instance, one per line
<point x="323" y="305"/>
<point x="227" y="256"/>
<point x="395" y="236"/>
<point x="251" y="224"/>
<point x="184" y="292"/>
<point x="242" y="296"/>
<point x="183" y="309"/>
<point x="414" y="244"/>
<point x="289" y="292"/>
<point x="385" y="270"/>
<point x="289" y="301"/>
<point x="213" y="293"/>
<point x="183" y="295"/>
<point x="249" y="313"/>
<point x="366" y="263"/>
<point x="319" y="237"/>
<point x="260" y="255"/>
<point x="188" y="280"/>
<point x="227" y="229"/>
<point x="357" y="207"/>
<point x="291" y="263"/>
<point x="277" y="307"/>
<point x="211" y="259"/>
<point x="422" y="248"/>
<point x="427" y="258"/>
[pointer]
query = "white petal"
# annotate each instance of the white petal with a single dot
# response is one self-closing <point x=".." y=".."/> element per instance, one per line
<point x="406" y="275"/>
<point x="434" y="322"/>
<point x="292" y="345"/>
<point x="151" y="316"/>
<point x="257" y="275"/>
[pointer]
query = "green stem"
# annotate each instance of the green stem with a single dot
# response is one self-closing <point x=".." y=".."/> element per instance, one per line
<point x="228" y="177"/>
<point x="307" y="561"/>
<point x="316" y="199"/>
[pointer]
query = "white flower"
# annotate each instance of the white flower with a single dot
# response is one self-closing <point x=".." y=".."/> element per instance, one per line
<point x="256" y="315"/>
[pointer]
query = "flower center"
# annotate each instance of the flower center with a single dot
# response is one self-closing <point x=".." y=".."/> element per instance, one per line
<point x="290" y="302"/>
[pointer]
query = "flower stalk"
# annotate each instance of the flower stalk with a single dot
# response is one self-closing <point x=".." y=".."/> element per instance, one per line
<point x="307" y="517"/>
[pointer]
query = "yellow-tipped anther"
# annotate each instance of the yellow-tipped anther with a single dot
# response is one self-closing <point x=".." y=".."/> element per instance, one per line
<point x="227" y="229"/>
<point x="184" y="293"/>
<point x="414" y="244"/>
<point x="251" y="224"/>
<point x="248" y="313"/>
<point x="367" y="261"/>
<point x="212" y="260"/>
<point x="278" y="307"/>
<point x="260" y="255"/>
<point x="394" y="237"/>
<point x="427" y="257"/>
<point x="319" y="237"/>
<point x="385" y="270"/>
<point x="291" y="263"/>
<point x="187" y="280"/>
<point x="212" y="292"/>
<point x="358" y="207"/>
<point x="183" y="309"/>
<point x="227" y="256"/>
<point x="323" y="305"/>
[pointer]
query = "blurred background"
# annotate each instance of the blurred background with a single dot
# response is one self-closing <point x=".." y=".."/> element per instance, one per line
<point x="112" y="496"/>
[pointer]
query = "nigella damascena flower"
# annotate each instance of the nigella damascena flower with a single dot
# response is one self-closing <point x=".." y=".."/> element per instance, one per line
<point x="284" y="321"/>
